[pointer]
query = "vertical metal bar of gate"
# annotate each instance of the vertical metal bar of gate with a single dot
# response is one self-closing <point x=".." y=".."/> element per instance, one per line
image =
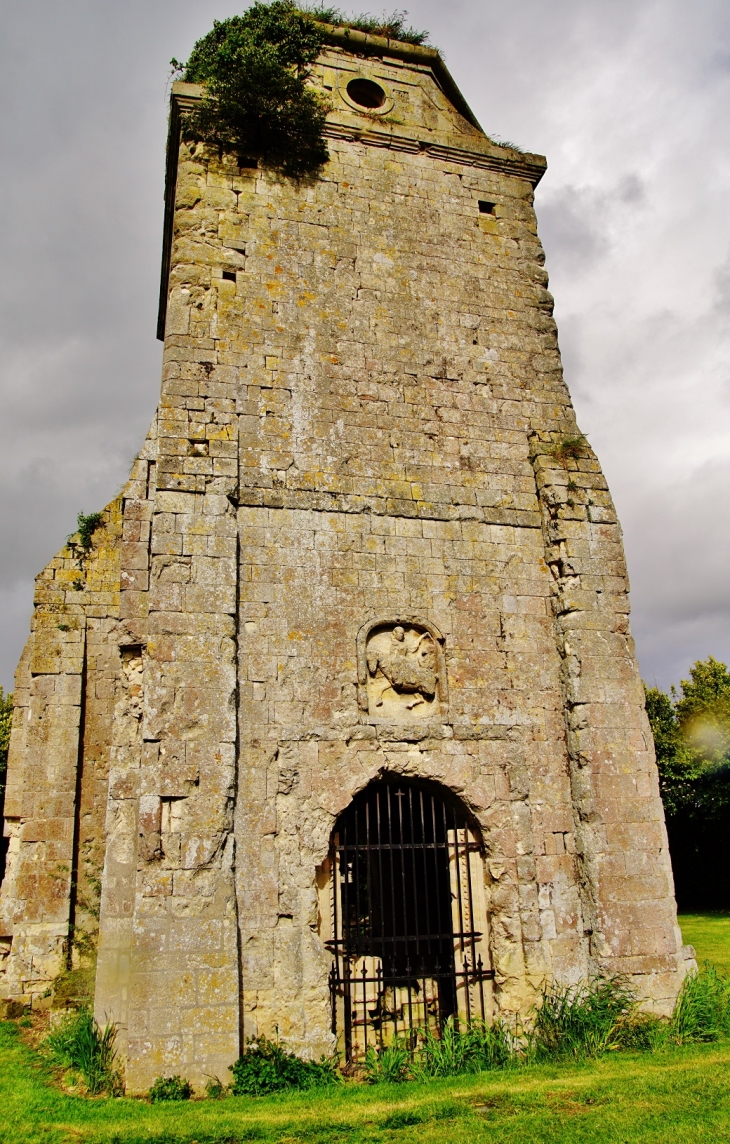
<point x="477" y="968"/>
<point x="346" y="942"/>
<point x="400" y="795"/>
<point x="381" y="919"/>
<point x="389" y="967"/>
<point x="334" y="975"/>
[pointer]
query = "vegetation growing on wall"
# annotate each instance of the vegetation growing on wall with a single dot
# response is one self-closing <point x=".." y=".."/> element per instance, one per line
<point x="255" y="69"/>
<point x="393" y="26"/>
<point x="691" y="728"/>
<point x="568" y="448"/>
<point x="86" y="526"/>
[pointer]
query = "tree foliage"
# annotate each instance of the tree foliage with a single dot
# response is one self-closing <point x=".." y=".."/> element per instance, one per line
<point x="691" y="728"/>
<point x="6" y="719"/>
<point x="691" y="731"/>
<point x="703" y="711"/>
<point x="255" y="69"/>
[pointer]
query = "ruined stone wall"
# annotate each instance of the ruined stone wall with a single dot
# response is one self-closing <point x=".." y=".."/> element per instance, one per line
<point x="357" y="453"/>
<point x="55" y="804"/>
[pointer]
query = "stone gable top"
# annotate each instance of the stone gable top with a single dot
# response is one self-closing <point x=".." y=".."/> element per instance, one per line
<point x="424" y="111"/>
<point x="414" y="55"/>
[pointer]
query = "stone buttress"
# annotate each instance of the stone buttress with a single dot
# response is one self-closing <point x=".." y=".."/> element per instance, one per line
<point x="358" y="457"/>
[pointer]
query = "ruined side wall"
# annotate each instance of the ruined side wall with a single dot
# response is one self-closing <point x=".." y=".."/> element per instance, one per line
<point x="626" y="875"/>
<point x="168" y="963"/>
<point x="58" y="763"/>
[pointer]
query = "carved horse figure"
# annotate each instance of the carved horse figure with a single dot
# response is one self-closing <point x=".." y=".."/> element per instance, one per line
<point x="408" y="663"/>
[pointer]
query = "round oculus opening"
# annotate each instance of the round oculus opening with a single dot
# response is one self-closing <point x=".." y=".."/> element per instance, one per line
<point x="366" y="93"/>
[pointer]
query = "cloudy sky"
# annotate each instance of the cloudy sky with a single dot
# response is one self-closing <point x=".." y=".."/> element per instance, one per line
<point x="628" y="99"/>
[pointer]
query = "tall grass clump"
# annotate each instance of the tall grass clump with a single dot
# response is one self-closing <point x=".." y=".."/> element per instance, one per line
<point x="702" y="1012"/>
<point x="266" y="1066"/>
<point x="472" y="1048"/>
<point x="390" y="1064"/>
<point x="583" y="1020"/>
<point x="78" y="1042"/>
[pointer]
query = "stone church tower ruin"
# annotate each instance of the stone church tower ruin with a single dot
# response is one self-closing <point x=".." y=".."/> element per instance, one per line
<point x="338" y="724"/>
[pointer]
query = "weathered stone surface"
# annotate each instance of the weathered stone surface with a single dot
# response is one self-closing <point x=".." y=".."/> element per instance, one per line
<point x="349" y="547"/>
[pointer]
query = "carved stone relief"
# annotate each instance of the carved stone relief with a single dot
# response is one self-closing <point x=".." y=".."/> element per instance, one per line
<point x="402" y="674"/>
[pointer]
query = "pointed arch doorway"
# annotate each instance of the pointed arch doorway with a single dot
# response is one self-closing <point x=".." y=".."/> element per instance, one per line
<point x="409" y="915"/>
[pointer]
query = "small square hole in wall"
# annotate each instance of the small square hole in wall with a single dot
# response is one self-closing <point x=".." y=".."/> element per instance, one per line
<point x="229" y="275"/>
<point x="246" y="161"/>
<point x="485" y="207"/>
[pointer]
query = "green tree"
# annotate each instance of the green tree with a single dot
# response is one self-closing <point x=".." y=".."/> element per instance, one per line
<point x="6" y="719"/>
<point x="678" y="767"/>
<point x="691" y="728"/>
<point x="703" y="711"/>
<point x="255" y="69"/>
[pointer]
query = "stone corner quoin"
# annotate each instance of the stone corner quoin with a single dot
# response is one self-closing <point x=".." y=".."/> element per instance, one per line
<point x="354" y="568"/>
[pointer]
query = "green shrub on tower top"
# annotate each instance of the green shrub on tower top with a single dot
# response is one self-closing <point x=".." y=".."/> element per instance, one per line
<point x="255" y="69"/>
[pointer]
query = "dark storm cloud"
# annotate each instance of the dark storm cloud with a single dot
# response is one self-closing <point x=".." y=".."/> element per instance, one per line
<point x="628" y="100"/>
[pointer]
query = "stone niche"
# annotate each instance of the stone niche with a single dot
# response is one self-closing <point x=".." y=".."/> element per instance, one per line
<point x="401" y="670"/>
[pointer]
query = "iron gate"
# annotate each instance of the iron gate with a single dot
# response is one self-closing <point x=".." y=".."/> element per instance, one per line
<point x="409" y="916"/>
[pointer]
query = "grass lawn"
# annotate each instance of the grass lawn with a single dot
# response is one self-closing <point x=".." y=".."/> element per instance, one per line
<point x="672" y="1096"/>
<point x="709" y="933"/>
<point x="663" y="1098"/>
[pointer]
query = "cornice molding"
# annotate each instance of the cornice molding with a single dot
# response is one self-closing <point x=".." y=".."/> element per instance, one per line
<point x="504" y="161"/>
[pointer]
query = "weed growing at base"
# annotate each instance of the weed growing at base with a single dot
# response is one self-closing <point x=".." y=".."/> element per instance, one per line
<point x="170" y="1088"/>
<point x="268" y="1067"/>
<point x="79" y="1043"/>
<point x="583" y="1020"/>
<point x="674" y="1096"/>
<point x="570" y="1022"/>
<point x="702" y="1012"/>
